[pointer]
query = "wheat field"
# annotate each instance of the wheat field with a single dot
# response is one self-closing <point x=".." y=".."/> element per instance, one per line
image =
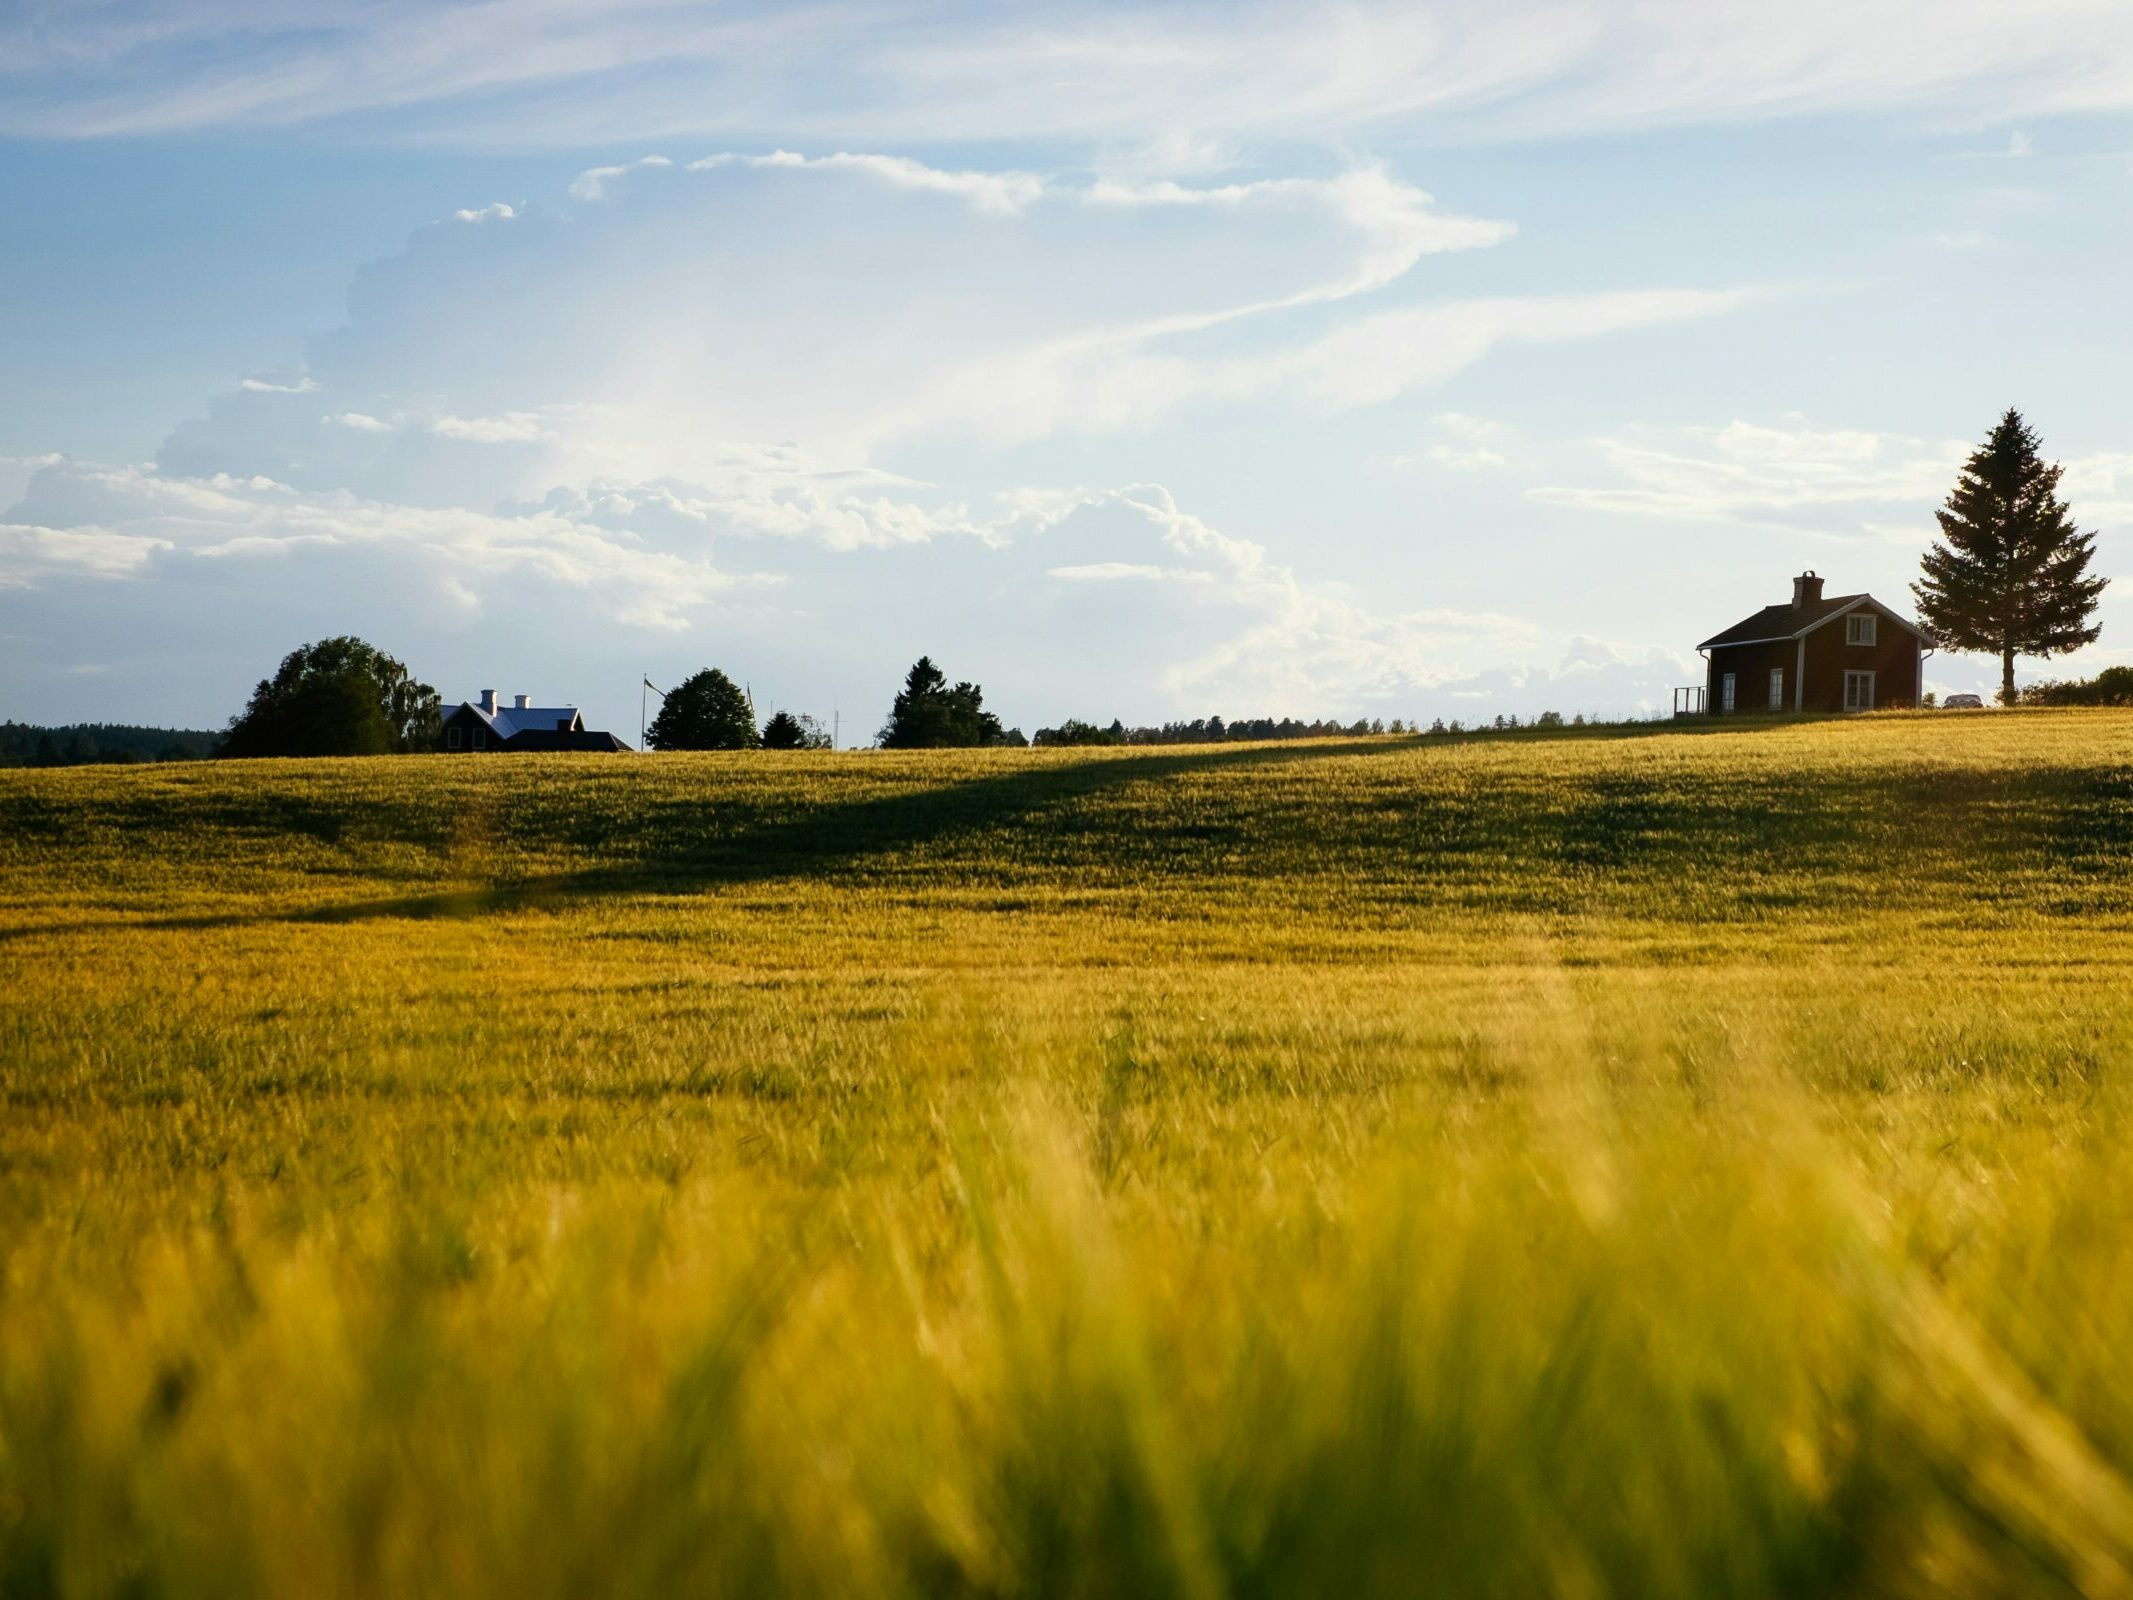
<point x="1654" y="1164"/>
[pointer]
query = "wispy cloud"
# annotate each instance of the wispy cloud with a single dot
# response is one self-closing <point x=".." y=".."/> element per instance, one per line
<point x="536" y="72"/>
<point x="591" y="184"/>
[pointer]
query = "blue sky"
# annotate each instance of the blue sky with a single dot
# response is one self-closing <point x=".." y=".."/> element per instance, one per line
<point x="1148" y="361"/>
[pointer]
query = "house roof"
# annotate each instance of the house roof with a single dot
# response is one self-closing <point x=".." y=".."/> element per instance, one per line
<point x="563" y="739"/>
<point x="508" y="721"/>
<point x="1775" y="623"/>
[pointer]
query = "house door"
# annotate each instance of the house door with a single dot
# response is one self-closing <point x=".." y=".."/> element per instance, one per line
<point x="1725" y="692"/>
<point x="1858" y="691"/>
<point x="1777" y="688"/>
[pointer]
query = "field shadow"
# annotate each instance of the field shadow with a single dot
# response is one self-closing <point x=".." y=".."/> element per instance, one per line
<point x="695" y="846"/>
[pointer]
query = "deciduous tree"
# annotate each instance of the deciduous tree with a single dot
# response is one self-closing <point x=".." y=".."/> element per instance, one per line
<point x="337" y="697"/>
<point x="705" y="712"/>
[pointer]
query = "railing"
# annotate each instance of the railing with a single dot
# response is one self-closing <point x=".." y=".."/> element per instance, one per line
<point x="1688" y="702"/>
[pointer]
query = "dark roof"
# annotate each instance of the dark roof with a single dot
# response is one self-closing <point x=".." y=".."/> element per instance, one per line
<point x="562" y="739"/>
<point x="1783" y="622"/>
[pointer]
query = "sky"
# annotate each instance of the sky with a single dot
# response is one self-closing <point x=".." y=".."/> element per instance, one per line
<point x="1434" y="359"/>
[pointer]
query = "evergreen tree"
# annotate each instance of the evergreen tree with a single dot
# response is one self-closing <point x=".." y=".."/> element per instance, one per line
<point x="785" y="731"/>
<point x="928" y="715"/>
<point x="706" y="712"/>
<point x="2009" y="575"/>
<point x="337" y="697"/>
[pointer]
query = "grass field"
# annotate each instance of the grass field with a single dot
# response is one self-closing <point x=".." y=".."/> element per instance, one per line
<point x="1664" y="1165"/>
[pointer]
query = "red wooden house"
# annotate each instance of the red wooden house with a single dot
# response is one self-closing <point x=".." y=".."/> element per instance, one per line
<point x="1846" y="652"/>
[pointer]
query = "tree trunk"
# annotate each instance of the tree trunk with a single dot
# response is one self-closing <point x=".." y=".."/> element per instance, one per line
<point x="2007" y="688"/>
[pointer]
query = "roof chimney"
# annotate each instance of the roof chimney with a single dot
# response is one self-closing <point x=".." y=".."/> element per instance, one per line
<point x="1806" y="590"/>
<point x="488" y="702"/>
<point x="522" y="701"/>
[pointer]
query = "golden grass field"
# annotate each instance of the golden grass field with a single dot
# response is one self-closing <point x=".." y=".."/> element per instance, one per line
<point x="1674" y="1164"/>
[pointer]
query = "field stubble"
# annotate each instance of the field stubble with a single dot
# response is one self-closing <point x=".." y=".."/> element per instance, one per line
<point x="1677" y="1165"/>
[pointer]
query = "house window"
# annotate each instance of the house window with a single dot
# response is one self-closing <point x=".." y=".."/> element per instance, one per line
<point x="1725" y="692"/>
<point x="451" y="738"/>
<point x="1860" y="627"/>
<point x="480" y="738"/>
<point x="1858" y="691"/>
<point x="1777" y="688"/>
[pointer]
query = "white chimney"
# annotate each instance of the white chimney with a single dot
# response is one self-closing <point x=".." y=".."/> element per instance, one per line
<point x="522" y="701"/>
<point x="488" y="702"/>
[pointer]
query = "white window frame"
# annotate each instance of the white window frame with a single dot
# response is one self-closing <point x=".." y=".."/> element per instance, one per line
<point x="1725" y="692"/>
<point x="1862" y="627"/>
<point x="1777" y="688"/>
<point x="1863" y="701"/>
<point x="452" y="739"/>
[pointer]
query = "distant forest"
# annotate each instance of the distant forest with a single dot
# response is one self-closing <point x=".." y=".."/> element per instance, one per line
<point x="84" y="744"/>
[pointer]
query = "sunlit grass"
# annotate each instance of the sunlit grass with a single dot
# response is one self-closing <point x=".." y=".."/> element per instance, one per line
<point x="1666" y="1165"/>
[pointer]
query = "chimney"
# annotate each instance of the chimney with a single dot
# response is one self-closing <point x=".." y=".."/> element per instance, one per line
<point x="488" y="702"/>
<point x="522" y="701"/>
<point x="1806" y="590"/>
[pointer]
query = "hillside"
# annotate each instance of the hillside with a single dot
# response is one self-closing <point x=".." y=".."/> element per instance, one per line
<point x="1673" y="1164"/>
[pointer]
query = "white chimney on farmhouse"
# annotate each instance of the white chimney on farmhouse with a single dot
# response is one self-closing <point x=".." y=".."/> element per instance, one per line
<point x="488" y="702"/>
<point x="522" y="701"/>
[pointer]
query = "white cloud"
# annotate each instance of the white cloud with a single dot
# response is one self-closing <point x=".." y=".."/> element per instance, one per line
<point x="513" y="427"/>
<point x="496" y="211"/>
<point x="140" y="514"/>
<point x="1177" y="75"/>
<point x="1002" y="193"/>
<point x="268" y="386"/>
<point x="361" y="422"/>
<point x="1113" y="572"/>
<point x="1833" y="481"/>
<point x="28" y="553"/>
<point x="591" y="184"/>
<point x="1830" y="479"/>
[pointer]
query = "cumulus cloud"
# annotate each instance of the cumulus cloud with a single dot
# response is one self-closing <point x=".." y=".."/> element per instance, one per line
<point x="119" y="522"/>
<point x="268" y="386"/>
<point x="496" y="211"/>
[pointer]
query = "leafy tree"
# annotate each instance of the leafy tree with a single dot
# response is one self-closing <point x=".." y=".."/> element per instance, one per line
<point x="2111" y="687"/>
<point x="337" y="697"/>
<point x="706" y="712"/>
<point x="2009" y="575"/>
<point x="928" y="715"/>
<point x="784" y="731"/>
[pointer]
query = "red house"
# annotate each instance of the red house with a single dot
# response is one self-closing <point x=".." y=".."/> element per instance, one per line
<point x="1848" y="652"/>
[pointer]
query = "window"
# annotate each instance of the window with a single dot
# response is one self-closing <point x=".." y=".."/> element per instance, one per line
<point x="1858" y="691"/>
<point x="1860" y="627"/>
<point x="1777" y="688"/>
<point x="1725" y="692"/>
<point x="451" y="738"/>
<point x="480" y="738"/>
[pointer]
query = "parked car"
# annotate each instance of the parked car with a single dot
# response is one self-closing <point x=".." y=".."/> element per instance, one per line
<point x="1962" y="702"/>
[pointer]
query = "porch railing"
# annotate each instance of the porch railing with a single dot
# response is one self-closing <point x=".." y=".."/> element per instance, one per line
<point x="1688" y="702"/>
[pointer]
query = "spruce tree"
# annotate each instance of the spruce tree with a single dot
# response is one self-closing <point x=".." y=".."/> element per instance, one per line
<point x="2009" y="574"/>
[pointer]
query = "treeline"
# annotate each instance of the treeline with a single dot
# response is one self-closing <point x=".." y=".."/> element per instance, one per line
<point x="2111" y="687"/>
<point x="1214" y="730"/>
<point x="85" y="744"/>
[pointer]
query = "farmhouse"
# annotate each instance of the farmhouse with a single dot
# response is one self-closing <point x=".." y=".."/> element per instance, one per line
<point x="484" y="725"/>
<point x="1846" y="652"/>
